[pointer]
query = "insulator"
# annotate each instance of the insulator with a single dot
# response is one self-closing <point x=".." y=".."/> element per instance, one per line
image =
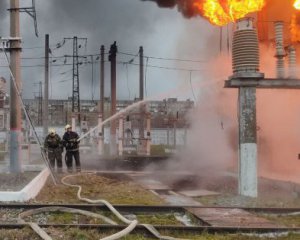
<point x="280" y="53"/>
<point x="292" y="62"/>
<point x="280" y="67"/>
<point x="279" y="38"/>
<point x="245" y="50"/>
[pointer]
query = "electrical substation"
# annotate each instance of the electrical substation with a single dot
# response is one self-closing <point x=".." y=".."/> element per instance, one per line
<point x="100" y="142"/>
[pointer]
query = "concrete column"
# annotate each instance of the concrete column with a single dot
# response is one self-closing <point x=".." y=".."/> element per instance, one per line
<point x="247" y="142"/>
<point x="73" y="124"/>
<point x="174" y="134"/>
<point x="121" y="136"/>
<point x="148" y="126"/>
<point x="100" y="135"/>
<point x="113" y="108"/>
<point x="15" y="104"/>
<point x="46" y="87"/>
<point x="168" y="136"/>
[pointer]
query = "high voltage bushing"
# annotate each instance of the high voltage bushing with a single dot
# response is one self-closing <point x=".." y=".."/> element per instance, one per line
<point x="292" y="62"/>
<point x="280" y="52"/>
<point x="279" y="39"/>
<point x="245" y="50"/>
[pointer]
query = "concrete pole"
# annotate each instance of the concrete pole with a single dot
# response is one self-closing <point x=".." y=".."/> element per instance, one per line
<point x="102" y="82"/>
<point x="168" y="136"/>
<point x="141" y="54"/>
<point x="46" y="87"/>
<point x="174" y="134"/>
<point x="148" y="126"/>
<point x="121" y="135"/>
<point x="102" y="114"/>
<point x="7" y="130"/>
<point x="15" y="105"/>
<point x="73" y="124"/>
<point x="113" y="110"/>
<point x="247" y="142"/>
<point x="100" y="136"/>
<point x="142" y="108"/>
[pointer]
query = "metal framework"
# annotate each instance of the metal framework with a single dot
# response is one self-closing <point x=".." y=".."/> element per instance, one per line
<point x="31" y="12"/>
<point x="75" y="82"/>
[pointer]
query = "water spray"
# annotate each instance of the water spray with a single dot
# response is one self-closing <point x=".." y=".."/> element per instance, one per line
<point x="127" y="109"/>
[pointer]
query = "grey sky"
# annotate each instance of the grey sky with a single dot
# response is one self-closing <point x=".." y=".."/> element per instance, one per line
<point x="163" y="32"/>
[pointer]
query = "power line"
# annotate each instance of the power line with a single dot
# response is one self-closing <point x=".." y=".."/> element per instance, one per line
<point x="127" y="54"/>
<point x="120" y="63"/>
<point x="167" y="59"/>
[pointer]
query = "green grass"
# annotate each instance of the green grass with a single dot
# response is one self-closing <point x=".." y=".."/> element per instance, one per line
<point x="158" y="219"/>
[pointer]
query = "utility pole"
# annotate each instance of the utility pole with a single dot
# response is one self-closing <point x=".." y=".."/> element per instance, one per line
<point x="112" y="58"/>
<point x="46" y="87"/>
<point x="40" y="104"/>
<point x="142" y="108"/>
<point x="141" y="54"/>
<point x="75" y="83"/>
<point x="102" y="82"/>
<point x="15" y="104"/>
<point x="101" y="104"/>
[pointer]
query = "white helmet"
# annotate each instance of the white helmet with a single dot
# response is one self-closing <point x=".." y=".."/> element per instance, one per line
<point x="52" y="131"/>
<point x="67" y="126"/>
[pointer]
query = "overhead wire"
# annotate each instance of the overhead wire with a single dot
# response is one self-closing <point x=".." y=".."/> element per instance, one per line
<point x="119" y="62"/>
<point x="164" y="58"/>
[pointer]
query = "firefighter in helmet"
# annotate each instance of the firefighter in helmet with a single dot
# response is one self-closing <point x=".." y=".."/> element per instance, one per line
<point x="71" y="143"/>
<point x="54" y="148"/>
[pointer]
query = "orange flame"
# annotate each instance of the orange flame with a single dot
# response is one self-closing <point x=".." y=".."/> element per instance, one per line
<point x="295" y="23"/>
<point x="222" y="12"/>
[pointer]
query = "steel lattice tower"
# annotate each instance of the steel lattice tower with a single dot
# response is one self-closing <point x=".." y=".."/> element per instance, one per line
<point x="75" y="85"/>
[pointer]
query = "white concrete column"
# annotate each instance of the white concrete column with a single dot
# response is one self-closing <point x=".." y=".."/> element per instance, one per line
<point x="148" y="128"/>
<point x="247" y="142"/>
<point x="121" y="134"/>
<point x="100" y="135"/>
<point x="73" y="124"/>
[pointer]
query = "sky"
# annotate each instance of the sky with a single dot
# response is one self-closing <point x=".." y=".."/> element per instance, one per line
<point x="163" y="33"/>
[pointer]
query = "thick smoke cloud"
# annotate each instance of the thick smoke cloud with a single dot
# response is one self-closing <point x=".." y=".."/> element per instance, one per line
<point x="186" y="7"/>
<point x="130" y="23"/>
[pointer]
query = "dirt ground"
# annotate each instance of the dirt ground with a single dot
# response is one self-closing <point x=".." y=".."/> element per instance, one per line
<point x="113" y="188"/>
<point x="120" y="189"/>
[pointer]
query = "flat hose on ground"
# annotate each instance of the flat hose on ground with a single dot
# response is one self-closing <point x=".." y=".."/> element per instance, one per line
<point x="131" y="224"/>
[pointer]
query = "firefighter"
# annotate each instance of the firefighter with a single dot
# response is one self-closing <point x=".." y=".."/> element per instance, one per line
<point x="71" y="143"/>
<point x="53" y="145"/>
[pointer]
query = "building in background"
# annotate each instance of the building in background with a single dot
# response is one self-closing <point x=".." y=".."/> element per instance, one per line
<point x="163" y="113"/>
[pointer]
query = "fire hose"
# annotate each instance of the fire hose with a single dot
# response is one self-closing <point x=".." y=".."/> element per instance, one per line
<point x="131" y="223"/>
